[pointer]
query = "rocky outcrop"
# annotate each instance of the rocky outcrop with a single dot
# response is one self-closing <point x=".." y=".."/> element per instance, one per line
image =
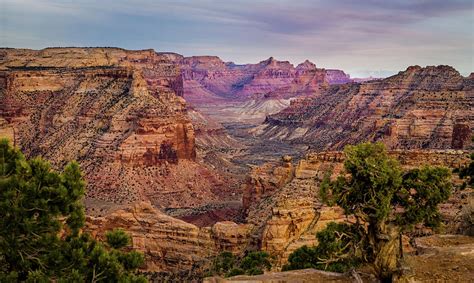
<point x="270" y="75"/>
<point x="337" y="77"/>
<point x="169" y="244"/>
<point x="285" y="209"/>
<point x="266" y="179"/>
<point x="308" y="81"/>
<point x="248" y="93"/>
<point x="428" y="107"/>
<point x="119" y="113"/>
<point x="207" y="78"/>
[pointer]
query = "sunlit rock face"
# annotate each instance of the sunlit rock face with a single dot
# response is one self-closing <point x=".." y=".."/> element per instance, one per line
<point x="248" y="93"/>
<point x="282" y="200"/>
<point x="170" y="244"/>
<point x="119" y="113"/>
<point x="430" y="107"/>
<point x="208" y="77"/>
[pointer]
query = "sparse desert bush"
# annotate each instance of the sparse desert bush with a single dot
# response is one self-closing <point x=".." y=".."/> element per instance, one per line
<point x="467" y="172"/>
<point x="340" y="249"/>
<point x="253" y="263"/>
<point x="467" y="218"/>
<point x="223" y="263"/>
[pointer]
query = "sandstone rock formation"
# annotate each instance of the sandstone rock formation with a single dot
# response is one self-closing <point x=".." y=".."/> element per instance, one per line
<point x="241" y="81"/>
<point x="250" y="92"/>
<point x="283" y="214"/>
<point x="430" y="107"/>
<point x="170" y="244"/>
<point x="284" y="208"/>
<point x="119" y="113"/>
<point x="337" y="77"/>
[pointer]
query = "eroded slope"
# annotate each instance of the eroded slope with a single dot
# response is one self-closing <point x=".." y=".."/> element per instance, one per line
<point x="430" y="107"/>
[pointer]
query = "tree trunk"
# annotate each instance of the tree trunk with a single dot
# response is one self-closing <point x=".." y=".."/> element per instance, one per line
<point x="385" y="241"/>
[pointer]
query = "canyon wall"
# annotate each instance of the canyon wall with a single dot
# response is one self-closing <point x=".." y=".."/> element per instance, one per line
<point x="430" y="107"/>
<point x="248" y="93"/>
<point x="169" y="244"/>
<point x="119" y="113"/>
<point x="208" y="78"/>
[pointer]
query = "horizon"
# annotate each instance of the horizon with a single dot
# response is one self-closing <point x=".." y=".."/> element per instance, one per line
<point x="389" y="73"/>
<point x="368" y="38"/>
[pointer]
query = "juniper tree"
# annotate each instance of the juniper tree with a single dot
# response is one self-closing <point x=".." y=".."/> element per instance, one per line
<point x="41" y="217"/>
<point x="385" y="201"/>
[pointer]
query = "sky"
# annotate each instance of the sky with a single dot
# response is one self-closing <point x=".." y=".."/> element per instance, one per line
<point x="363" y="38"/>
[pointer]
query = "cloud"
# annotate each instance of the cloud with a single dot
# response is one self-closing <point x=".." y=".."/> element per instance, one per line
<point x="354" y="35"/>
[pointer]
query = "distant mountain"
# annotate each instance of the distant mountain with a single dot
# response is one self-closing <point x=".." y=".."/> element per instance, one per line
<point x="430" y="107"/>
<point x="206" y="78"/>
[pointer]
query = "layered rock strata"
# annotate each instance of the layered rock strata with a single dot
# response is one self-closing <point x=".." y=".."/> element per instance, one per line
<point x="169" y="244"/>
<point x="283" y="214"/>
<point x="430" y="107"/>
<point x="284" y="208"/>
<point x="247" y="93"/>
<point x="119" y="113"/>
<point x="210" y="74"/>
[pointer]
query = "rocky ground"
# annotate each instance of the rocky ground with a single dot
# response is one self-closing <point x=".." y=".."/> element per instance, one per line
<point x="440" y="258"/>
<point x="299" y="276"/>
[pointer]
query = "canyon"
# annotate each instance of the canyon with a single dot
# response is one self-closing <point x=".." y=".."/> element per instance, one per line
<point x="119" y="113"/>
<point x="430" y="107"/>
<point x="282" y="209"/>
<point x="247" y="93"/>
<point x="194" y="156"/>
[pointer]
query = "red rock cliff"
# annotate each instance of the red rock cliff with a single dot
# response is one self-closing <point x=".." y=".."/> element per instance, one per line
<point x="119" y="113"/>
<point x="430" y="107"/>
<point x="208" y="78"/>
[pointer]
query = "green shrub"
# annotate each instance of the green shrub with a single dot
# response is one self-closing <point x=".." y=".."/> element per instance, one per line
<point x="234" y="272"/>
<point x="253" y="263"/>
<point x="224" y="262"/>
<point x="467" y="172"/>
<point x="335" y="252"/>
<point x="117" y="238"/>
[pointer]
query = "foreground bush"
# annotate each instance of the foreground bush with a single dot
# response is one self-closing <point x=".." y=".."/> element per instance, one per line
<point x="41" y="217"/>
<point x="339" y="249"/>
<point x="253" y="263"/>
